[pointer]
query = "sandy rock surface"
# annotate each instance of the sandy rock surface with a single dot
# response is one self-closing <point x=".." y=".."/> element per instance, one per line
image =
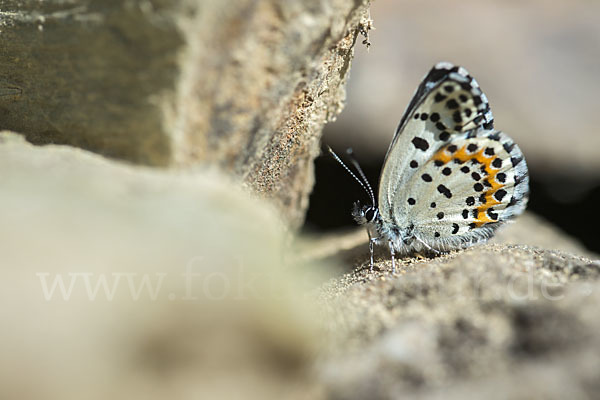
<point x="494" y="321"/>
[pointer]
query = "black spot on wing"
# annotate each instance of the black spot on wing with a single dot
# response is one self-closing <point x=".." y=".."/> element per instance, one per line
<point x="466" y="86"/>
<point x="457" y="118"/>
<point x="508" y="146"/>
<point x="516" y="160"/>
<point x="494" y="136"/>
<point x="499" y="195"/>
<point x="452" y="104"/>
<point x="444" y="190"/>
<point x="420" y="143"/>
<point x="439" y="97"/>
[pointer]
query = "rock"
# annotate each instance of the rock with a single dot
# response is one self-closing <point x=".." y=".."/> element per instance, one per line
<point x="131" y="282"/>
<point x="494" y="321"/>
<point x="245" y="85"/>
<point x="532" y="230"/>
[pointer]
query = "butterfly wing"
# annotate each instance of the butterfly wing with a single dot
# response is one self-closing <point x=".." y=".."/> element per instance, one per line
<point x="466" y="189"/>
<point x="447" y="108"/>
<point x="429" y="121"/>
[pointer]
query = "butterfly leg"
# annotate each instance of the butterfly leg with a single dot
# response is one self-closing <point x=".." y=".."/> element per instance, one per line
<point x="372" y="241"/>
<point x="393" y="253"/>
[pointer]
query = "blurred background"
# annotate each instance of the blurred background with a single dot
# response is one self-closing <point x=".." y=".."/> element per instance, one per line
<point x="536" y="61"/>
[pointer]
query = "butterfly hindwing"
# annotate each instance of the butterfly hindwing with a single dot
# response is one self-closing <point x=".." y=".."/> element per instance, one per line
<point x="475" y="184"/>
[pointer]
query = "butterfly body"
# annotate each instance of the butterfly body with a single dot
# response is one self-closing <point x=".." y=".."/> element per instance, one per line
<point x="449" y="179"/>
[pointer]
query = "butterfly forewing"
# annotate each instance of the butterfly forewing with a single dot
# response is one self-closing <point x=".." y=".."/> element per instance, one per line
<point x="447" y="103"/>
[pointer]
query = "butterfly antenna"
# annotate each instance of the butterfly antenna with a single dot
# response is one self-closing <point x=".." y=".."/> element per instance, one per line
<point x="350" y="154"/>
<point x="369" y="191"/>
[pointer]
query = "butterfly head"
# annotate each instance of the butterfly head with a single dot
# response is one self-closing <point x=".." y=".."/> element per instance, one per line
<point x="365" y="214"/>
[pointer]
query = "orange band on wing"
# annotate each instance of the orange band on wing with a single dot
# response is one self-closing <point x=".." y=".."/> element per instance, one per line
<point x="445" y="155"/>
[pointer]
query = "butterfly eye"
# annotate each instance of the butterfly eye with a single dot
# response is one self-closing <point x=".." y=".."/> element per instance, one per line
<point x="370" y="214"/>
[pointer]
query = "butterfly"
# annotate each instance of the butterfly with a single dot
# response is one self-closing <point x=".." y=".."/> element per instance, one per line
<point x="449" y="179"/>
